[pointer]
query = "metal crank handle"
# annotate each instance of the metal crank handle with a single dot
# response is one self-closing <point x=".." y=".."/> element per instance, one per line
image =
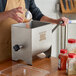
<point x="61" y="22"/>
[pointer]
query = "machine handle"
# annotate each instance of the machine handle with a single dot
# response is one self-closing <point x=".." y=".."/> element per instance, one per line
<point x="61" y="22"/>
<point x="17" y="47"/>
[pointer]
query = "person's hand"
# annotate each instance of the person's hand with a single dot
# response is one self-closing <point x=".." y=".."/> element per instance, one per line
<point x="64" y="19"/>
<point x="14" y="14"/>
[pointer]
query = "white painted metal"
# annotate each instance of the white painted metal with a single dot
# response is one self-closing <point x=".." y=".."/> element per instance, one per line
<point x="34" y="40"/>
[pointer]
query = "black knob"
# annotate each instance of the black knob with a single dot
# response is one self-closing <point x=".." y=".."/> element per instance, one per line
<point x="16" y="47"/>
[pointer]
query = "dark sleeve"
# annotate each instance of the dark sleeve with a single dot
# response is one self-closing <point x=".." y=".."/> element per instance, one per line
<point x="2" y="5"/>
<point x="37" y="14"/>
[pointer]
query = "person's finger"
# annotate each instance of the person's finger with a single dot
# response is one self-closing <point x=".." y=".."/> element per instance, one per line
<point x="17" y="18"/>
<point x="18" y="10"/>
<point x="63" y="24"/>
<point x="19" y="7"/>
<point x="66" y="20"/>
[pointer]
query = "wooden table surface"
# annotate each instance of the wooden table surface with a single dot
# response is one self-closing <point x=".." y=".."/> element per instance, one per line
<point x="49" y="64"/>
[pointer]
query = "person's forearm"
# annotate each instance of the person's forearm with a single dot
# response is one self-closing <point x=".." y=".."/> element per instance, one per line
<point x="3" y="15"/>
<point x="47" y="19"/>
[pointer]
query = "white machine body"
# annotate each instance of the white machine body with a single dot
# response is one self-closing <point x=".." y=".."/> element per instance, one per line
<point x="33" y="40"/>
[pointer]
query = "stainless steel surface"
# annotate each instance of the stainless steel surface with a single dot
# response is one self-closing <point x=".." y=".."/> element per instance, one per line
<point x="36" y="39"/>
<point x="28" y="15"/>
<point x="64" y="31"/>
